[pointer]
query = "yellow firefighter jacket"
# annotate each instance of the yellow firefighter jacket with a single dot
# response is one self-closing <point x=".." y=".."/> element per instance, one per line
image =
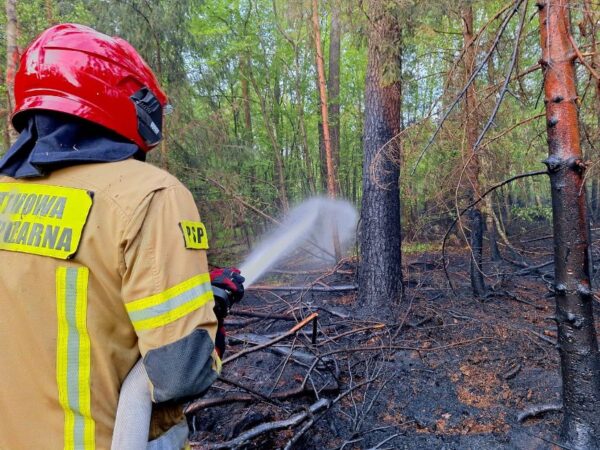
<point x="101" y="264"/>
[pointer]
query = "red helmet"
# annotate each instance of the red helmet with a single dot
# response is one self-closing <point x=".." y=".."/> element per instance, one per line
<point x="76" y="70"/>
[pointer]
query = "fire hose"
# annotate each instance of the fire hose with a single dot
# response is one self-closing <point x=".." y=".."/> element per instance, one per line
<point x="134" y="409"/>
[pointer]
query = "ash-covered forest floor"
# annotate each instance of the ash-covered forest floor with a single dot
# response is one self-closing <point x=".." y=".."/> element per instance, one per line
<point x="437" y="371"/>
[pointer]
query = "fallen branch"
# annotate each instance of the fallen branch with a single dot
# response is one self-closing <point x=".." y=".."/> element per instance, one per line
<point x="290" y="332"/>
<point x="403" y="347"/>
<point x="533" y="268"/>
<point x="541" y="238"/>
<point x="312" y="420"/>
<point x="539" y="409"/>
<point x="293" y="421"/>
<point x="385" y="441"/>
<point x="296" y="355"/>
<point x="510" y="374"/>
<point x="308" y="272"/>
<point x="543" y="337"/>
<point x="516" y="298"/>
<point x="240" y="312"/>
<point x="290" y="444"/>
<point x="300" y="391"/>
<point x="344" y="288"/>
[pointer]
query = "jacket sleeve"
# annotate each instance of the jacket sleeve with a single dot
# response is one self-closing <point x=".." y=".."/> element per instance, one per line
<point x="168" y="295"/>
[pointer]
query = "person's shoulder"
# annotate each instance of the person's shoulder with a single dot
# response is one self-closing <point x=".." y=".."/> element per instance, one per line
<point x="122" y="177"/>
<point x="125" y="184"/>
<point x="146" y="175"/>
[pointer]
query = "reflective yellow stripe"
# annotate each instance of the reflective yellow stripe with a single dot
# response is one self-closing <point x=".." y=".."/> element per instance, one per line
<point x="168" y="306"/>
<point x="73" y="358"/>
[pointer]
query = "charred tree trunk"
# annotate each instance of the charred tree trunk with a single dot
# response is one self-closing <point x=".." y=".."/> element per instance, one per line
<point x="477" y="224"/>
<point x="380" y="270"/>
<point x="12" y="61"/>
<point x="577" y="342"/>
<point x="471" y="158"/>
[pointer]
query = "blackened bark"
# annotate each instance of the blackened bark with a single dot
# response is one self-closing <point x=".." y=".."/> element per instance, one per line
<point x="476" y="220"/>
<point x="577" y="342"/>
<point x="470" y="157"/>
<point x="476" y="223"/>
<point x="380" y="270"/>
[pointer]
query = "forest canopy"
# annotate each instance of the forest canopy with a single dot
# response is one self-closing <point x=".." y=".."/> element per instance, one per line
<point x="242" y="79"/>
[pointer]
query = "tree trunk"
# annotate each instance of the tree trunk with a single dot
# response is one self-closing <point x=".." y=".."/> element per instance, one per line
<point x="331" y="181"/>
<point x="12" y="62"/>
<point x="491" y="230"/>
<point x="49" y="6"/>
<point x="577" y="343"/>
<point x="248" y="132"/>
<point x="331" y="175"/>
<point x="471" y="158"/>
<point x="333" y="86"/>
<point x="380" y="269"/>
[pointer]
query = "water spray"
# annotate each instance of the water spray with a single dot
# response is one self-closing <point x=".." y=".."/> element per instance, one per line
<point x="310" y="226"/>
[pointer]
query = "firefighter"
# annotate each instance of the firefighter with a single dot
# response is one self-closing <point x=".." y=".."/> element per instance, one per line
<point x="103" y="255"/>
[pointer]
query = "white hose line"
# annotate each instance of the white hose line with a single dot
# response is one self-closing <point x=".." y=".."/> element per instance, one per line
<point x="132" y="423"/>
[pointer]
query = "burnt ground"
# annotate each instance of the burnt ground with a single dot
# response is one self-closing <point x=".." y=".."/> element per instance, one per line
<point x="437" y="371"/>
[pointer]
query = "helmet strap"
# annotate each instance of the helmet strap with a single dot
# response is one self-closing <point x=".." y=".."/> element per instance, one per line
<point x="150" y="114"/>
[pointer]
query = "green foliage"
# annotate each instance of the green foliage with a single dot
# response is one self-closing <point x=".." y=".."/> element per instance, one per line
<point x="218" y="59"/>
<point x="409" y="248"/>
<point x="532" y="214"/>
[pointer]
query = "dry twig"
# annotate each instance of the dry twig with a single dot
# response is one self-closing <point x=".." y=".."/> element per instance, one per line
<point x="290" y="332"/>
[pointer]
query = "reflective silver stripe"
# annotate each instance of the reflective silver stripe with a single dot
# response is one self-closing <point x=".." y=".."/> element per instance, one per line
<point x="171" y="304"/>
<point x="74" y="358"/>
